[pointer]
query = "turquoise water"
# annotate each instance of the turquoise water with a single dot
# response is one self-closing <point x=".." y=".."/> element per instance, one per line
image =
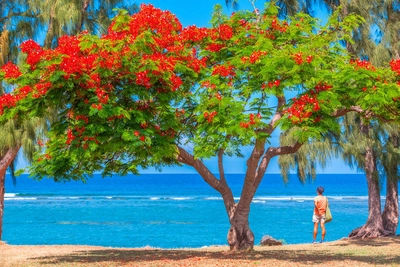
<point x="172" y="210"/>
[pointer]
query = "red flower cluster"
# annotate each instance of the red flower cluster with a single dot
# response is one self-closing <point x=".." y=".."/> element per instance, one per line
<point x="269" y="34"/>
<point x="34" y="52"/>
<point x="207" y="84"/>
<point x="194" y="34"/>
<point x="70" y="136"/>
<point x="209" y="116"/>
<point x="195" y="63"/>
<point x="164" y="62"/>
<point x="256" y="55"/>
<point x="30" y="46"/>
<point x="41" y="89"/>
<point x="109" y="60"/>
<point x="115" y="117"/>
<point x="102" y="95"/>
<point x="214" y="47"/>
<point x="362" y="64"/>
<point x="150" y="18"/>
<point x="11" y="71"/>
<point x="142" y="78"/>
<point x="82" y="117"/>
<point x="302" y="108"/>
<point x="176" y="82"/>
<point x="223" y="70"/>
<point x="298" y="58"/>
<point x="169" y="132"/>
<point x="7" y="100"/>
<point x="179" y="112"/>
<point x="322" y="87"/>
<point x="22" y="92"/>
<point x="395" y="65"/>
<point x="225" y="32"/>
<point x="33" y="58"/>
<point x="70" y="65"/>
<point x="277" y="26"/>
<point x="251" y="121"/>
<point x="68" y="45"/>
<point x="275" y="83"/>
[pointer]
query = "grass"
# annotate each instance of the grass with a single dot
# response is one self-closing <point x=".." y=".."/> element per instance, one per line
<point x="370" y="252"/>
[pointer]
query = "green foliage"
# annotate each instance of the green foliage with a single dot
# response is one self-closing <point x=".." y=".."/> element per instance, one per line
<point x="153" y="87"/>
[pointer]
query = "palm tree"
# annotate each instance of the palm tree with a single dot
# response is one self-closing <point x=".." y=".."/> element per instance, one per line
<point x="70" y="17"/>
<point x="17" y="23"/>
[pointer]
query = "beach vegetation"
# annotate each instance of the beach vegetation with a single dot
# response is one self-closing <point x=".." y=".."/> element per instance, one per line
<point x="150" y="93"/>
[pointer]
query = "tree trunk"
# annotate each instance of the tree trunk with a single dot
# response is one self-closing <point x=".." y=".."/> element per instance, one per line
<point x="2" y="192"/>
<point x="240" y="236"/>
<point x="374" y="225"/>
<point x="5" y="161"/>
<point x="390" y="215"/>
<point x="50" y="30"/>
<point x="79" y="24"/>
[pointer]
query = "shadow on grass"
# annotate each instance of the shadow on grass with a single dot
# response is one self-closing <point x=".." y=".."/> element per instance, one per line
<point x="374" y="242"/>
<point x="321" y="255"/>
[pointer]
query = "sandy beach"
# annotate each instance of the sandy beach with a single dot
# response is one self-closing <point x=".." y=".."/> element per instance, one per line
<point x="345" y="252"/>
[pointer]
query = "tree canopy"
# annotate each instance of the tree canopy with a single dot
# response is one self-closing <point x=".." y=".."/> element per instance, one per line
<point x="128" y="98"/>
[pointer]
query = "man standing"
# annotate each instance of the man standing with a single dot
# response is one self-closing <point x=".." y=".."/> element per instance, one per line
<point x="320" y="203"/>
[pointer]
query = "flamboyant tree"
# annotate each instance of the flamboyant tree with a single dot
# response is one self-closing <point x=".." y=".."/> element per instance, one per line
<point x="150" y="93"/>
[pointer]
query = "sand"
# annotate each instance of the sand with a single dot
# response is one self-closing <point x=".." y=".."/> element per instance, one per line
<point x="345" y="252"/>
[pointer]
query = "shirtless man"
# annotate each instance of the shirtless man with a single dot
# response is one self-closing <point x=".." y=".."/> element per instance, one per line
<point x="320" y="203"/>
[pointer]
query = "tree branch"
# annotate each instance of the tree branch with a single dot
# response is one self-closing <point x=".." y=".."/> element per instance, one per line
<point x="368" y="113"/>
<point x="219" y="185"/>
<point x="205" y="173"/>
<point x="221" y="166"/>
<point x="7" y="158"/>
<point x="272" y="152"/>
<point x="278" y="115"/>
<point x="344" y="111"/>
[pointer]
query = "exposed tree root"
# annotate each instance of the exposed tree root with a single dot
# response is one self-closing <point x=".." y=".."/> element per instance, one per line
<point x="240" y="240"/>
<point x="369" y="232"/>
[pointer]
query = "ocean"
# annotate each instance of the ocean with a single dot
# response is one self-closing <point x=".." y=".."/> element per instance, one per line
<point x="173" y="210"/>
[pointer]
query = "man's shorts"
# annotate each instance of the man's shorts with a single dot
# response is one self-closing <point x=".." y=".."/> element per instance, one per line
<point x="318" y="219"/>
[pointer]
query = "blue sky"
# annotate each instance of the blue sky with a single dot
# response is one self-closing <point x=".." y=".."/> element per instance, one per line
<point x="199" y="13"/>
<point x="195" y="12"/>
